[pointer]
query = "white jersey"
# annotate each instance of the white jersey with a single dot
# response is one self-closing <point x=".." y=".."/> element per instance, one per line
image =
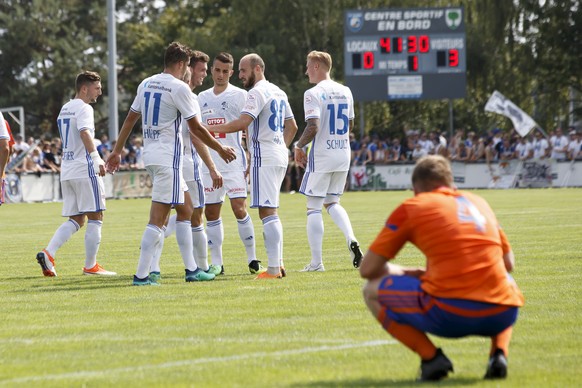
<point x="574" y="148"/>
<point x="76" y="116"/>
<point x="559" y="146"/>
<point x="219" y="109"/>
<point x="192" y="161"/>
<point x="523" y="149"/>
<point x="163" y="100"/>
<point x="332" y="103"/>
<point x="3" y="130"/>
<point x="539" y="148"/>
<point x="269" y="108"/>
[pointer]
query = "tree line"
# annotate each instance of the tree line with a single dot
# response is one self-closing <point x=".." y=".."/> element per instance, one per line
<point x="529" y="50"/>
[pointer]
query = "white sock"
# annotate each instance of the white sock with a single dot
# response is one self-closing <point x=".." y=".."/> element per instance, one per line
<point x="149" y="244"/>
<point x="246" y="232"/>
<point x="315" y="236"/>
<point x="92" y="241"/>
<point x="200" y="243"/>
<point x="61" y="236"/>
<point x="340" y="217"/>
<point x="273" y="236"/>
<point x="171" y="227"/>
<point x="215" y="232"/>
<point x="184" y="238"/>
<point x="155" y="266"/>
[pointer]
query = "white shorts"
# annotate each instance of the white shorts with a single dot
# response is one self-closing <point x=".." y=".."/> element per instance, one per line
<point x="85" y="195"/>
<point x="234" y="185"/>
<point x="322" y="184"/>
<point x="167" y="184"/>
<point x="196" y="190"/>
<point x="266" y="185"/>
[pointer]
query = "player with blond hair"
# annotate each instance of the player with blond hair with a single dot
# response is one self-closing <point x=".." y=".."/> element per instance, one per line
<point x="329" y="113"/>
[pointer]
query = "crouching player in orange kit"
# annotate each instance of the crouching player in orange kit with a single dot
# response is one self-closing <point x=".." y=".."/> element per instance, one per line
<point x="465" y="288"/>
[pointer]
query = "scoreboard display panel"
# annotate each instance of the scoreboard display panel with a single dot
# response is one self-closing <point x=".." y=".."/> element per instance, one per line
<point x="414" y="53"/>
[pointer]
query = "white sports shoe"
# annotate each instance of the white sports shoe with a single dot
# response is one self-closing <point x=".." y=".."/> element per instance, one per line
<point x="310" y="268"/>
<point x="98" y="270"/>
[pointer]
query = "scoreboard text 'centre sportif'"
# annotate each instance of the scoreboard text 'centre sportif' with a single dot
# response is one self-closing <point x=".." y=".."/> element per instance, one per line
<point x="416" y="53"/>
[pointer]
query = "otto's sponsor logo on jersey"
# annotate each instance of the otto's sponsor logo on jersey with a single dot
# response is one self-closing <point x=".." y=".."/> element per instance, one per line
<point x="341" y="144"/>
<point x="152" y="134"/>
<point x="308" y="112"/>
<point x="216" y="121"/>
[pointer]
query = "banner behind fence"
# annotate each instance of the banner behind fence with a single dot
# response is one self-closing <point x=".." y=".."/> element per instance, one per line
<point x="135" y="184"/>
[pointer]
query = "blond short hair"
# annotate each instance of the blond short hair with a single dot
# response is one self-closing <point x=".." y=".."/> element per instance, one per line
<point x="321" y="57"/>
<point x="432" y="172"/>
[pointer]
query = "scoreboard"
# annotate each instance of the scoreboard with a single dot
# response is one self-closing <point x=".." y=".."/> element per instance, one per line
<point x="414" y="53"/>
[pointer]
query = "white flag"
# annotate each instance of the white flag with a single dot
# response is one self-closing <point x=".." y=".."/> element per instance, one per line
<point x="522" y="122"/>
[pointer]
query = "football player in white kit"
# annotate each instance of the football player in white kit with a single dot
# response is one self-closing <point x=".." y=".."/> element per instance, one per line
<point x="329" y="113"/>
<point x="81" y="178"/>
<point x="161" y="101"/>
<point x="195" y="152"/>
<point x="5" y="146"/>
<point x="220" y="104"/>
<point x="271" y="128"/>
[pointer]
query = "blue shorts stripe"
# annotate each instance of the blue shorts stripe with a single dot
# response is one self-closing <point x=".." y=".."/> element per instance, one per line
<point x="405" y="302"/>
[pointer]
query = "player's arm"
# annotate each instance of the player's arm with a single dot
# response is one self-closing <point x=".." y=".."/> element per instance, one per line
<point x="4" y="155"/>
<point x="245" y="145"/>
<point x="199" y="131"/>
<point x="373" y="266"/>
<point x="114" y="159"/>
<point x="311" y="129"/>
<point x="289" y="131"/>
<point x="240" y="124"/>
<point x="98" y="163"/>
<point x="207" y="159"/>
<point x="508" y="256"/>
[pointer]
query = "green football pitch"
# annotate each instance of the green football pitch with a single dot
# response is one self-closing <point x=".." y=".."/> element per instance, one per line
<point x="307" y="330"/>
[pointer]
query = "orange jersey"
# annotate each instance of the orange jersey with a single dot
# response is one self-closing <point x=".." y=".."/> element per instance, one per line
<point x="459" y="235"/>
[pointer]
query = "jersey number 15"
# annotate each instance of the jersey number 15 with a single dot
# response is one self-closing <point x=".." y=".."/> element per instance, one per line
<point x="335" y="122"/>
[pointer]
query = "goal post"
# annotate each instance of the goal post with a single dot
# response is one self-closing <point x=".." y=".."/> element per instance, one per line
<point x="16" y="113"/>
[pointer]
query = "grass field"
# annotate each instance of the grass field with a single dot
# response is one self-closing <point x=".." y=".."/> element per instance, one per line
<point x="307" y="330"/>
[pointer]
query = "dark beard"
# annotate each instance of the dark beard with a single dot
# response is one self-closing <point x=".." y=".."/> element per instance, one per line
<point x="248" y="85"/>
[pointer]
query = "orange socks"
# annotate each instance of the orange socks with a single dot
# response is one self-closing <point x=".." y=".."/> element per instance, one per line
<point x="414" y="339"/>
<point x="501" y="341"/>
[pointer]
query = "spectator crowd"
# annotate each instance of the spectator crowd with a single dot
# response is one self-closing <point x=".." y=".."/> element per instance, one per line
<point x="38" y="156"/>
<point x="493" y="146"/>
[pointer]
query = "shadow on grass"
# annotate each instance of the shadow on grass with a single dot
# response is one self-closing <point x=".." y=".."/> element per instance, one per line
<point x="74" y="283"/>
<point x="451" y="382"/>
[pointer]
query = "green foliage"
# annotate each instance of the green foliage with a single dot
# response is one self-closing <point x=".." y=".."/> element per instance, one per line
<point x="307" y="330"/>
<point x="528" y="50"/>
